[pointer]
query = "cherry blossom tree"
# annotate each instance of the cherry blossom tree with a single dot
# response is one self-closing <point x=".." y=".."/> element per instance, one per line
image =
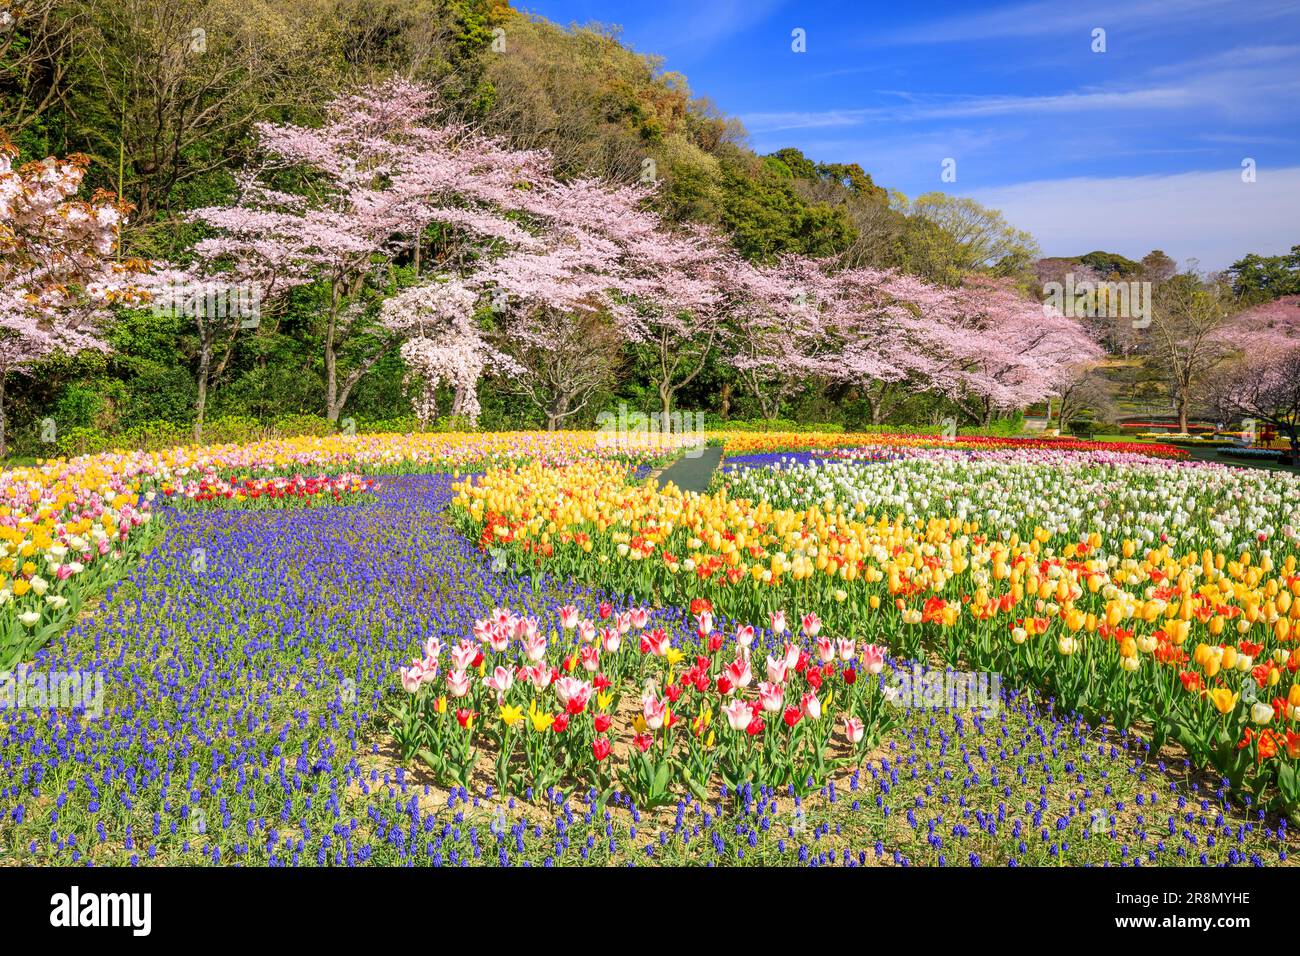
<point x="563" y="360"/>
<point x="375" y="177"/>
<point x="798" y="318"/>
<point x="882" y="325"/>
<point x="553" y="325"/>
<point x="442" y="344"/>
<point x="557" y="305"/>
<point x="673" y="297"/>
<point x="982" y="345"/>
<point x="1264" y="382"/>
<point x="994" y="349"/>
<point x="665" y="289"/>
<point x="776" y="333"/>
<point x="219" y="311"/>
<point x="58" y="275"/>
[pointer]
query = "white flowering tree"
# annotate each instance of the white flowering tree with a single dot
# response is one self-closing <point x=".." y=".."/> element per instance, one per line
<point x="441" y="343"/>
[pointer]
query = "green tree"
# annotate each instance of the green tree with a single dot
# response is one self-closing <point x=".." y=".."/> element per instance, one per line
<point x="1257" y="278"/>
<point x="956" y="234"/>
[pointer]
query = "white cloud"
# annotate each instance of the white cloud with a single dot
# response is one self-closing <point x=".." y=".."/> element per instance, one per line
<point x="966" y="106"/>
<point x="1210" y="216"/>
<point x="919" y="108"/>
<point x="698" y="25"/>
<point x="1054" y="18"/>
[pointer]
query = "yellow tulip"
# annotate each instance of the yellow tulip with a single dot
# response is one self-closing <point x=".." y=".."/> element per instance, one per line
<point x="541" y="720"/>
<point x="1224" y="700"/>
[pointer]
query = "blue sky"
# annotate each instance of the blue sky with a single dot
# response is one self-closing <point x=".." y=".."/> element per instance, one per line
<point x="1137" y="147"/>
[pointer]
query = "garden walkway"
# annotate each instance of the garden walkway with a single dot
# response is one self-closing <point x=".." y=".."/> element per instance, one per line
<point x="693" y="473"/>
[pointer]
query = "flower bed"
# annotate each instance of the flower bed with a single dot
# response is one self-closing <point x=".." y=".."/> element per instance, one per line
<point x="66" y="532"/>
<point x="255" y="708"/>
<point x="246" y="705"/>
<point x="1126" y="612"/>
<point x="690" y="718"/>
<point x="69" y="528"/>
<point x="771" y="442"/>
<point x="284" y="492"/>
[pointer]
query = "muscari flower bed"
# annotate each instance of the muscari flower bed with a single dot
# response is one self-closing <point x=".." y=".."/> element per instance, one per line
<point x="248" y="719"/>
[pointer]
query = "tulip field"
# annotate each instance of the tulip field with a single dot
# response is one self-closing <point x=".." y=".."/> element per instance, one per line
<point x="455" y="649"/>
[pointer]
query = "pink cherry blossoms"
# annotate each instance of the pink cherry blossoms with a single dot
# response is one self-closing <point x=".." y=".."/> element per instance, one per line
<point x="377" y="177"/>
<point x="442" y="344"/>
<point x="57" y="272"/>
<point x="385" y="187"/>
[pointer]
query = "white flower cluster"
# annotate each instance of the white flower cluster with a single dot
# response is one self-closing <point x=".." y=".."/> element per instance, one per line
<point x="1066" y="493"/>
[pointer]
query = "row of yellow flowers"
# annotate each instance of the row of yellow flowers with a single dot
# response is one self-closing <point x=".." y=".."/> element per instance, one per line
<point x="1196" y="646"/>
<point x="66" y="530"/>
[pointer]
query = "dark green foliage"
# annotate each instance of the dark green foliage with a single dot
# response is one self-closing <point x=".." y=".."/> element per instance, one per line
<point x="1259" y="278"/>
<point x="767" y="217"/>
<point x="1111" y="264"/>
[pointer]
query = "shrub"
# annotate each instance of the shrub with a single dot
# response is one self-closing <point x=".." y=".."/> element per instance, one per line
<point x="289" y="426"/>
<point x="768" y="425"/>
<point x="234" y="429"/>
<point x="1085" y="426"/>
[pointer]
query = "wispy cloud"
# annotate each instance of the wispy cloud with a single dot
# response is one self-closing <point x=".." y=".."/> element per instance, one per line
<point x="1052" y="17"/>
<point x="1239" y="83"/>
<point x="959" y="107"/>
<point x="1210" y="216"/>
<point x="913" y="107"/>
<point x="698" y="25"/>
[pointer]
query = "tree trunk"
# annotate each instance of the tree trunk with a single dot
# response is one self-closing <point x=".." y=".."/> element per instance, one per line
<point x="666" y="399"/>
<point x="332" y="408"/>
<point x="205" y="361"/>
<point x="331" y="381"/>
<point x="1182" y="413"/>
<point x="458" y="399"/>
<point x="725" y="399"/>
<point x="556" y="412"/>
<point x="3" y="448"/>
<point x="878" y="403"/>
